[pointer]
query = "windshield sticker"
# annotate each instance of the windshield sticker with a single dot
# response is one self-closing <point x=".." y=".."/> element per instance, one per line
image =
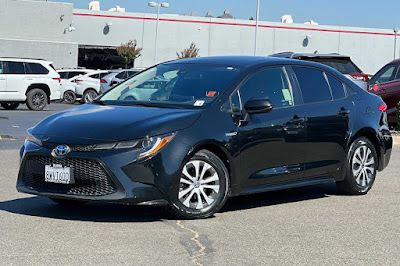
<point x="199" y="103"/>
<point x="211" y="94"/>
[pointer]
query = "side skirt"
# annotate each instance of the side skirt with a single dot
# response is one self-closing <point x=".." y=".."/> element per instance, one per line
<point x="287" y="185"/>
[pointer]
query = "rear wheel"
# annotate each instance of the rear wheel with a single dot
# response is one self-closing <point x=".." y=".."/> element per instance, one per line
<point x="66" y="202"/>
<point x="69" y="97"/>
<point x="10" y="106"/>
<point x="89" y="96"/>
<point x="203" y="187"/>
<point x="36" y="100"/>
<point x="362" y="165"/>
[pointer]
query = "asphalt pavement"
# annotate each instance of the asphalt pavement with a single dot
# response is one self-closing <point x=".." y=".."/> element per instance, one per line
<point x="304" y="226"/>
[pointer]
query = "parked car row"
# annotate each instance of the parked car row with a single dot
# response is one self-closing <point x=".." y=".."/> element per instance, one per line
<point x="36" y="82"/>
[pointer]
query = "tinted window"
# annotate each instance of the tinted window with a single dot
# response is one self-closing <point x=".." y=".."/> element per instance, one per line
<point x="15" y="68"/>
<point x="384" y="75"/>
<point x="313" y="85"/>
<point x="74" y="74"/>
<point x="398" y="74"/>
<point x="63" y="75"/>
<point x="1" y="67"/>
<point x="337" y="88"/>
<point x="343" y="65"/>
<point x="131" y="73"/>
<point x="37" y="69"/>
<point x="104" y="74"/>
<point x="269" y="83"/>
<point x="121" y="75"/>
<point x="95" y="76"/>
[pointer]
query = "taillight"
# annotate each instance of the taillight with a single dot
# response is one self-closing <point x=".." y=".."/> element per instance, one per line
<point x="383" y="107"/>
<point x="79" y="80"/>
<point x="374" y="88"/>
<point x="59" y="79"/>
<point x="362" y="77"/>
<point x="103" y="81"/>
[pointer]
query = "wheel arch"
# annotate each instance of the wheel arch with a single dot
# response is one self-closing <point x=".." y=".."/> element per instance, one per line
<point x="41" y="86"/>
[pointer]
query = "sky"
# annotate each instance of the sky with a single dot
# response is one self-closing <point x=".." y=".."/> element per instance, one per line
<point x="357" y="13"/>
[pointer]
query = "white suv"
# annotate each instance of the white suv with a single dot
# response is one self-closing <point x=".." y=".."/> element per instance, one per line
<point x="88" y="86"/>
<point x="31" y="81"/>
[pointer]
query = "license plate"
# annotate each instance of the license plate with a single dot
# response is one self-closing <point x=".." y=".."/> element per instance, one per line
<point x="58" y="174"/>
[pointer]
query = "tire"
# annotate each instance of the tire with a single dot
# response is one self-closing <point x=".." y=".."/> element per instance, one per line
<point x="89" y="93"/>
<point x="69" y="97"/>
<point x="36" y="100"/>
<point x="361" y="168"/>
<point x="185" y="203"/>
<point x="10" y="106"/>
<point x="66" y="202"/>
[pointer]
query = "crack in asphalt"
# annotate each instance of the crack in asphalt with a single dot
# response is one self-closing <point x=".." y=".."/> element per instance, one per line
<point x="195" y="239"/>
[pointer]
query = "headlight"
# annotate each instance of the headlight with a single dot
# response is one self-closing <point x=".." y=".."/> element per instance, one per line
<point x="145" y="147"/>
<point x="31" y="138"/>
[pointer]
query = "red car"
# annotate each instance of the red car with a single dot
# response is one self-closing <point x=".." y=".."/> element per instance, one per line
<point x="386" y="83"/>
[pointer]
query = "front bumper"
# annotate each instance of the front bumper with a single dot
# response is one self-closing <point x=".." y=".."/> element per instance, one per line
<point x="98" y="177"/>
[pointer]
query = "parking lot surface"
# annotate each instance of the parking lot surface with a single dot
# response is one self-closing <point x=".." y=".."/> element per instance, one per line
<point x="305" y="226"/>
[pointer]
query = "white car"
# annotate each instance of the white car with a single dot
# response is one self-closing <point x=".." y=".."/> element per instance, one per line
<point x="116" y="77"/>
<point x="31" y="81"/>
<point x="88" y="86"/>
<point x="68" y="77"/>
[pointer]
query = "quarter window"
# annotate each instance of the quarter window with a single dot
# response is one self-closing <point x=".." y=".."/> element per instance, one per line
<point x="121" y="75"/>
<point x="272" y="84"/>
<point x="337" y="87"/>
<point x="313" y="85"/>
<point x="15" y="68"/>
<point x="37" y="69"/>
<point x="74" y="74"/>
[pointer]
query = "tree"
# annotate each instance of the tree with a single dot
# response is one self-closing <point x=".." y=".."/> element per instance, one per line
<point x="251" y="18"/>
<point x="190" y="52"/>
<point x="129" y="52"/>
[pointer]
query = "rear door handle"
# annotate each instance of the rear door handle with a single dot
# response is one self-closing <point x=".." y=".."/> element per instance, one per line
<point x="343" y="112"/>
<point x="297" y="120"/>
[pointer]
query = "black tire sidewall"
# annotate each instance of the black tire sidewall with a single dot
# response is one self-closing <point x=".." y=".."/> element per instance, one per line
<point x="65" y="93"/>
<point x="29" y="99"/>
<point x="184" y="212"/>
<point x="10" y="106"/>
<point x="350" y="178"/>
<point x="86" y="93"/>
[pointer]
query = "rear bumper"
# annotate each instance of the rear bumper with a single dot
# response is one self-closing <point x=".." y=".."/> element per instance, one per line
<point x="386" y="145"/>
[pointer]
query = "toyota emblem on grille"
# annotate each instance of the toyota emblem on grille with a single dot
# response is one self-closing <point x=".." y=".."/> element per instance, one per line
<point x="60" y="151"/>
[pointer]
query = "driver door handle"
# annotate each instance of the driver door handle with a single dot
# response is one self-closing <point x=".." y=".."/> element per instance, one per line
<point x="297" y="120"/>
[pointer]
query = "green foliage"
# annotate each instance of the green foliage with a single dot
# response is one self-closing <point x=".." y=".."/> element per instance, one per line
<point x="190" y="52"/>
<point x="251" y="18"/>
<point x="129" y="52"/>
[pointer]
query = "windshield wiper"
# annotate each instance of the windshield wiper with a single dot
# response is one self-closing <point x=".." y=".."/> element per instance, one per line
<point x="100" y="102"/>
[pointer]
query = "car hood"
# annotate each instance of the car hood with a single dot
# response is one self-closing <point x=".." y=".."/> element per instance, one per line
<point x="91" y="123"/>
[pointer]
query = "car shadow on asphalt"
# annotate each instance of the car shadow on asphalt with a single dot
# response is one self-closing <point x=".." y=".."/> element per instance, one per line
<point x="104" y="212"/>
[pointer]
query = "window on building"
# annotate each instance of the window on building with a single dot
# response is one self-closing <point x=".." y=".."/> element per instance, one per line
<point x="313" y="85"/>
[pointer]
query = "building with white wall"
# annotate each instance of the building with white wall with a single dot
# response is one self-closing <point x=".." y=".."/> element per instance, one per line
<point x="42" y="33"/>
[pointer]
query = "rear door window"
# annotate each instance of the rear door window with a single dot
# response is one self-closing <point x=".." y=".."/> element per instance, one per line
<point x="36" y="69"/>
<point x="313" y="85"/>
<point x="16" y="68"/>
<point x="343" y="65"/>
<point x="337" y="87"/>
<point x="270" y="83"/>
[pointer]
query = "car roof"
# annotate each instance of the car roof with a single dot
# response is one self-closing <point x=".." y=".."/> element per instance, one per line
<point x="394" y="62"/>
<point x="310" y="55"/>
<point x="74" y="70"/>
<point x="19" y="59"/>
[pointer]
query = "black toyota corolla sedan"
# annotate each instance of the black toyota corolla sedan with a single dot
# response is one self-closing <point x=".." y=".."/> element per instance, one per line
<point x="191" y="133"/>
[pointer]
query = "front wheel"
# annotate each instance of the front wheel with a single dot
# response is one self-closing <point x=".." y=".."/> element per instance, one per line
<point x="89" y="96"/>
<point x="362" y="165"/>
<point x="10" y="106"/>
<point x="36" y="100"/>
<point x="203" y="187"/>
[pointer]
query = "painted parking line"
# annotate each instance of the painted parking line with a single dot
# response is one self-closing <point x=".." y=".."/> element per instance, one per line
<point x="7" y="137"/>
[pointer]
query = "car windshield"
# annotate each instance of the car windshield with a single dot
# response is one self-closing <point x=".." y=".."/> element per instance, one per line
<point x="173" y="84"/>
<point x="344" y="66"/>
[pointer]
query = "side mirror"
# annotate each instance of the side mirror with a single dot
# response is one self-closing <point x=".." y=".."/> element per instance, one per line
<point x="258" y="106"/>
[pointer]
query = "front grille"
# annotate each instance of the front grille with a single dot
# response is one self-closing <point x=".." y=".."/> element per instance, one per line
<point x="91" y="179"/>
<point x="74" y="148"/>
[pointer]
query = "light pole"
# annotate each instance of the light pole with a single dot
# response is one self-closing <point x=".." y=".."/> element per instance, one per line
<point x="154" y="4"/>
<point x="255" y="35"/>
<point x="396" y="30"/>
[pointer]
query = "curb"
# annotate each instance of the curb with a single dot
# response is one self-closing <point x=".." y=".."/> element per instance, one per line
<point x="396" y="139"/>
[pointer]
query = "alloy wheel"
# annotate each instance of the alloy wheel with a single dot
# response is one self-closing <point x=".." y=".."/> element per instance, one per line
<point x="38" y="100"/>
<point x="199" y="185"/>
<point x="363" y="166"/>
<point x="90" y="96"/>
